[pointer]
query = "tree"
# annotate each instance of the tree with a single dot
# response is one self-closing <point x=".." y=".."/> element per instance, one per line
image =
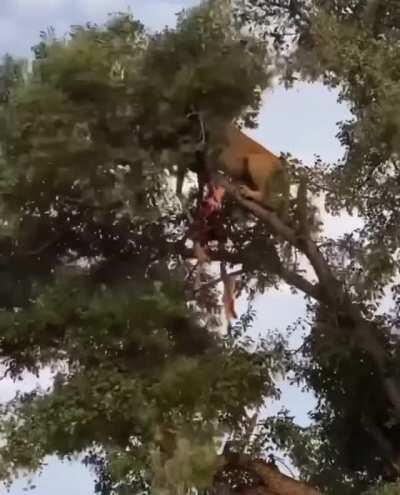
<point x="92" y="247"/>
<point x="94" y="255"/>
<point x="352" y="46"/>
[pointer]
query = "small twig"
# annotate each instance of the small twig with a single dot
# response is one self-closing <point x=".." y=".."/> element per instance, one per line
<point x="299" y="349"/>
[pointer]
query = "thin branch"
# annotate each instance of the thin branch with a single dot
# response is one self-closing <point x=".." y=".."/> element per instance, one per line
<point x="293" y="352"/>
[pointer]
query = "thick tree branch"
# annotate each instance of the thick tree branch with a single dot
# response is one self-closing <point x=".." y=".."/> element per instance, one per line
<point x="290" y="277"/>
<point x="294" y="279"/>
<point x="304" y="245"/>
<point x="330" y="292"/>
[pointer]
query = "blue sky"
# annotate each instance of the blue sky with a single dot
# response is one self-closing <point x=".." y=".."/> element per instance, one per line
<point x="301" y="121"/>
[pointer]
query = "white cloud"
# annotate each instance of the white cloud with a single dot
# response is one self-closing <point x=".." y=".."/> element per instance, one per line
<point x="22" y="20"/>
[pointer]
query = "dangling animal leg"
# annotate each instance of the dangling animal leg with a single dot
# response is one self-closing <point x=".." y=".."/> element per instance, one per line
<point x="228" y="297"/>
<point x="202" y="258"/>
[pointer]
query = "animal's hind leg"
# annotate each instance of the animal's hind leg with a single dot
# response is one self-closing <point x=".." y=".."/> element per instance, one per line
<point x="261" y="195"/>
<point x="251" y="193"/>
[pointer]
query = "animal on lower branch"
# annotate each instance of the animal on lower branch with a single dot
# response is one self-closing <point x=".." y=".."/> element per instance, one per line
<point x="261" y="175"/>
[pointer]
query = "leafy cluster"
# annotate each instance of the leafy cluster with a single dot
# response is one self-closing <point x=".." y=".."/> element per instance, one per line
<point x="351" y="47"/>
<point x="92" y="246"/>
<point x="94" y="258"/>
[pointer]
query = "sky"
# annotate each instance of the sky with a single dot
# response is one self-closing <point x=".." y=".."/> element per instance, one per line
<point x="301" y="121"/>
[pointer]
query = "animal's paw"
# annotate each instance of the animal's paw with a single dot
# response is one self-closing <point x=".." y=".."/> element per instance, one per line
<point x="246" y="191"/>
<point x="251" y="194"/>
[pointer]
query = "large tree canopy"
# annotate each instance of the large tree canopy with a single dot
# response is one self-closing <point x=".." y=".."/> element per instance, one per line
<point x="93" y="251"/>
<point x="97" y="281"/>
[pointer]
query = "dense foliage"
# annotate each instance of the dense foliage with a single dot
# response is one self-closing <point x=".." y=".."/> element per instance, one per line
<point x="352" y="46"/>
<point x="94" y="255"/>
<point x="92" y="247"/>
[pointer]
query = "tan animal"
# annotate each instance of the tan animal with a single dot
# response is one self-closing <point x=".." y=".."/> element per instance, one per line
<point x="263" y="175"/>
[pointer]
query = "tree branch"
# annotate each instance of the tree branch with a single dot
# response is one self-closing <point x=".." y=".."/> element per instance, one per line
<point x="330" y="292"/>
<point x="303" y="244"/>
<point x="290" y="277"/>
<point x="296" y="280"/>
